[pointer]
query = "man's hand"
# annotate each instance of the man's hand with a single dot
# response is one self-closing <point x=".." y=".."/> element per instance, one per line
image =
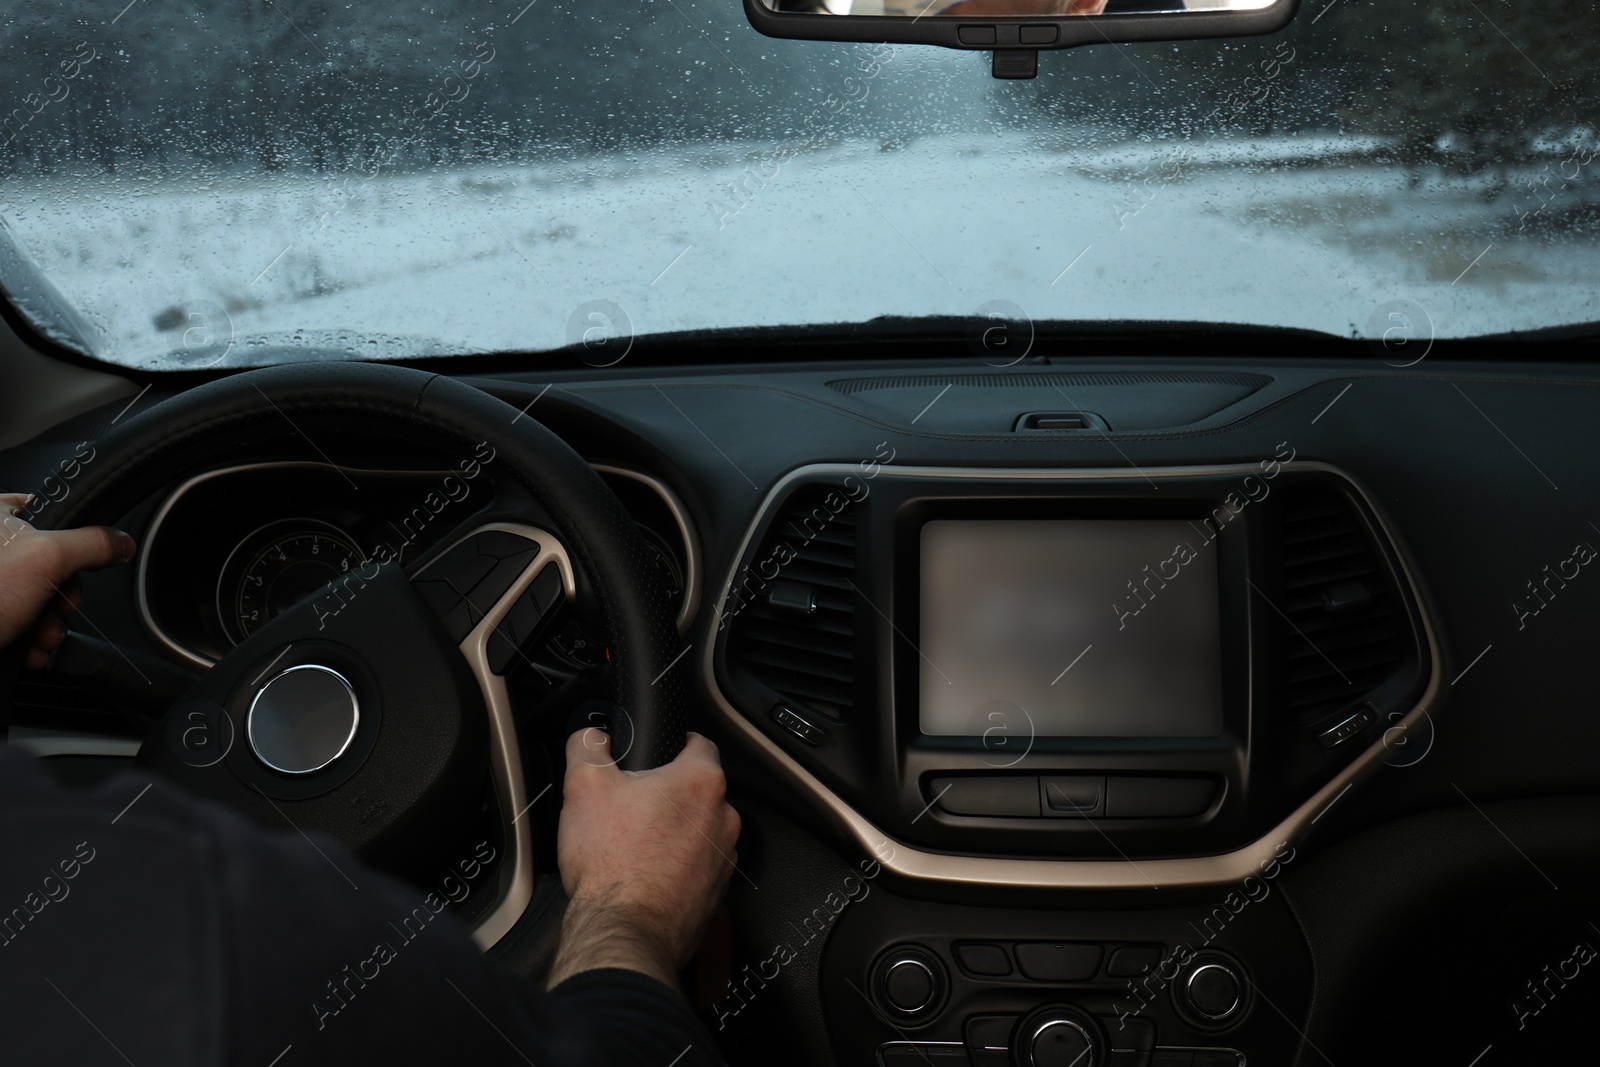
<point x="38" y="575"/>
<point x="645" y="857"/>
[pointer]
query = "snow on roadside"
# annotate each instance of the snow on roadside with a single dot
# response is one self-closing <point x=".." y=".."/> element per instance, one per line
<point x="498" y="257"/>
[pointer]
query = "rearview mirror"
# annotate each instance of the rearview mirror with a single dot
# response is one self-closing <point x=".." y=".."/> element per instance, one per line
<point x="1015" y="30"/>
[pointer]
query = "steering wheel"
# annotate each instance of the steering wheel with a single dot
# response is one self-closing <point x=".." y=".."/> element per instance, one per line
<point x="377" y="710"/>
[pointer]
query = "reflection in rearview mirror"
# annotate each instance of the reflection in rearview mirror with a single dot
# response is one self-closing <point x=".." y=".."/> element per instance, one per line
<point x="1009" y="8"/>
<point x="1016" y="30"/>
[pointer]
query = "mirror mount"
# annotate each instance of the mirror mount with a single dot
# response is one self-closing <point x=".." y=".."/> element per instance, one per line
<point x="1015" y="63"/>
<point x="1016" y="30"/>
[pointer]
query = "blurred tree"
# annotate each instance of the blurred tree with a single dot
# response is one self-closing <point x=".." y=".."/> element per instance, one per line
<point x="1473" y="86"/>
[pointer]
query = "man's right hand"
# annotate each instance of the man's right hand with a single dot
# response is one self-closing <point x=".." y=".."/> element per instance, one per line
<point x="645" y="857"/>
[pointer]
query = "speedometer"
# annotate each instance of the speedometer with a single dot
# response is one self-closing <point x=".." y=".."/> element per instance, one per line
<point x="276" y="567"/>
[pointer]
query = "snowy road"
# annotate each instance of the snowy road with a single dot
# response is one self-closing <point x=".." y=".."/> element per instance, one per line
<point x="498" y="258"/>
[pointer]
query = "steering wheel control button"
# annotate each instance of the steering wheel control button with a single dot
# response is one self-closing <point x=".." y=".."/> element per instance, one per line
<point x="1059" y="961"/>
<point x="546" y="589"/>
<point x="524" y="619"/>
<point x="909" y="982"/>
<point x="303" y="719"/>
<point x="798" y="725"/>
<point x="477" y="570"/>
<point x="466" y="575"/>
<point x="988" y="961"/>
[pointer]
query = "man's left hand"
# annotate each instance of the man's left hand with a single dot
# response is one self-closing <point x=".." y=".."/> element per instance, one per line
<point x="38" y="575"/>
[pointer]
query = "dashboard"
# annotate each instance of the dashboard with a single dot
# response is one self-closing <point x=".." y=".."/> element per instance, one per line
<point x="1179" y="712"/>
<point x="229" y="549"/>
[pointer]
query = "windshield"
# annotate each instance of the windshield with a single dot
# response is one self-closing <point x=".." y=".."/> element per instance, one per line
<point x="241" y="182"/>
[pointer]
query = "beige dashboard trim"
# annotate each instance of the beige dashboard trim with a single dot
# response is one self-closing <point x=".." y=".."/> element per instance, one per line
<point x="919" y="865"/>
<point x="686" y="531"/>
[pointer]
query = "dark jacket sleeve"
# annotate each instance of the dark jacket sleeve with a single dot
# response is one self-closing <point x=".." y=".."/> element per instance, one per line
<point x="140" y="924"/>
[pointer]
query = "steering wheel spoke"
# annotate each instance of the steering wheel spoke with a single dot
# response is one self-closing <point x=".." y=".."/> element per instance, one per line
<point x="495" y="591"/>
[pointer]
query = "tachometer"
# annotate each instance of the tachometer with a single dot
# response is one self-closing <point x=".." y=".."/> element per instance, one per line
<point x="276" y="567"/>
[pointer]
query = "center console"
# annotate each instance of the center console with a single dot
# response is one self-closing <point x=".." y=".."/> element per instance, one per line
<point x="1027" y="682"/>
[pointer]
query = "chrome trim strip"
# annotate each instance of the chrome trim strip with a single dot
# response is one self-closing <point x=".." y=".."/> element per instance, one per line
<point x="917" y="865"/>
<point x="686" y="531"/>
<point x="505" y="757"/>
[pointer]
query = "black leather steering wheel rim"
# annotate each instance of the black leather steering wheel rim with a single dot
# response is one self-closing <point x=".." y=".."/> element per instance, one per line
<point x="293" y="405"/>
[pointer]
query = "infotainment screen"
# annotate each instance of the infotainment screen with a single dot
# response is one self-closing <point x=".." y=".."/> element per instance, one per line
<point x="1069" y="628"/>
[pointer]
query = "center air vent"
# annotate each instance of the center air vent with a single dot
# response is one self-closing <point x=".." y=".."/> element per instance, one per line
<point x="1346" y="632"/>
<point x="791" y="613"/>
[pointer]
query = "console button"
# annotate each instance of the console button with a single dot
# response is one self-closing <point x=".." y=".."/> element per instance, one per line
<point x="988" y="960"/>
<point x="989" y="1039"/>
<point x="1213" y="991"/>
<point x="1072" y="794"/>
<point x="976" y="35"/>
<point x="994" y="794"/>
<point x="1060" y="1043"/>
<point x="1157" y="798"/>
<point x="921" y="1053"/>
<point x="798" y="725"/>
<point x="908" y="985"/>
<point x="909" y="981"/>
<point x="1133" y="960"/>
<point x="1129" y="1035"/>
<point x="1060" y="1035"/>
<point x="1059" y="961"/>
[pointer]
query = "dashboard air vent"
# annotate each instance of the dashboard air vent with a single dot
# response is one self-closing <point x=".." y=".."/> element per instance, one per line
<point x="793" y="610"/>
<point x="1344" y="637"/>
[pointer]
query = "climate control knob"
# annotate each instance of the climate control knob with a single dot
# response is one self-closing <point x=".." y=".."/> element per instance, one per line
<point x="909" y="982"/>
<point x="1212" y="991"/>
<point x="1059" y="1035"/>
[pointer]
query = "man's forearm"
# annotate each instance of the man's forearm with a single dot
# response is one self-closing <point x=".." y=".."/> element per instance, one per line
<point x="597" y="934"/>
